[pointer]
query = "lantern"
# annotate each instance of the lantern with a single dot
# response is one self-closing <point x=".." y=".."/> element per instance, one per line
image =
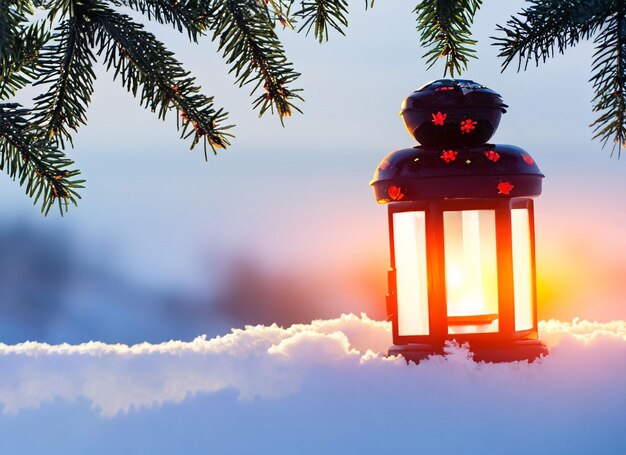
<point x="461" y="229"/>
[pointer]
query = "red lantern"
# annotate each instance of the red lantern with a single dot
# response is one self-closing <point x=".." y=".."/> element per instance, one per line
<point x="462" y="240"/>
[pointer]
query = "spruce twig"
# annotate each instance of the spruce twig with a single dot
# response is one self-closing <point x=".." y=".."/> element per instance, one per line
<point x="444" y="27"/>
<point x="548" y="27"/>
<point x="146" y="67"/>
<point x="609" y="83"/>
<point x="35" y="163"/>
<point x="321" y="15"/>
<point x="67" y="67"/>
<point x="249" y="43"/>
<point x="18" y="62"/>
<point x="184" y="15"/>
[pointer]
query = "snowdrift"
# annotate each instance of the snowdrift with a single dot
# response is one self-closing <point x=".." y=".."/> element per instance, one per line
<point x="324" y="387"/>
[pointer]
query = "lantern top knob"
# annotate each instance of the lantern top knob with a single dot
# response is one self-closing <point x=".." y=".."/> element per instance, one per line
<point x="452" y="112"/>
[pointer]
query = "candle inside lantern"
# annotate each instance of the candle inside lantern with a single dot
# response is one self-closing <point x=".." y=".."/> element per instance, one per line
<point x="471" y="271"/>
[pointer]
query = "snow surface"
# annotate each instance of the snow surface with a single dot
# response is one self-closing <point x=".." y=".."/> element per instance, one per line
<point x="323" y="387"/>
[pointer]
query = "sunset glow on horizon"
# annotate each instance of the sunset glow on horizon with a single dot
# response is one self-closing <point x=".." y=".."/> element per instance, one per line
<point x="577" y="274"/>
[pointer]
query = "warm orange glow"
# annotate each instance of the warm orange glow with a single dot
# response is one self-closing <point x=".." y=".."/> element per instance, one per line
<point x="522" y="269"/>
<point x="412" y="287"/>
<point x="578" y="275"/>
<point x="471" y="269"/>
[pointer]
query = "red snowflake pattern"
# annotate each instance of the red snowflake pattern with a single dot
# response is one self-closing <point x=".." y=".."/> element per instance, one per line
<point x="444" y="88"/>
<point x="528" y="159"/>
<point x="439" y="118"/>
<point x="395" y="192"/>
<point x="505" y="188"/>
<point x="467" y="126"/>
<point x="449" y="155"/>
<point x="492" y="156"/>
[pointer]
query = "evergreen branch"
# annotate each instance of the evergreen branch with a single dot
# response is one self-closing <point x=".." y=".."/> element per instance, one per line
<point x="320" y="15"/>
<point x="19" y="67"/>
<point x="6" y="35"/>
<point x="609" y="82"/>
<point x="249" y="43"/>
<point x="67" y="66"/>
<point x="444" y="27"/>
<point x="184" y="15"/>
<point x="141" y="61"/>
<point x="547" y="24"/>
<point x="19" y="45"/>
<point x="281" y="12"/>
<point x="12" y="15"/>
<point x="34" y="162"/>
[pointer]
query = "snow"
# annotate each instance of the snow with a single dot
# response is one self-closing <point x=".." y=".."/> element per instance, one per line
<point x="323" y="387"/>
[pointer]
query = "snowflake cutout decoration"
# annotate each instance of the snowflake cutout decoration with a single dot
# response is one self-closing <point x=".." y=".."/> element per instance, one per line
<point x="395" y="192"/>
<point x="439" y="118"/>
<point x="492" y="156"/>
<point x="505" y="188"/>
<point x="449" y="155"/>
<point x="528" y="159"/>
<point x="467" y="126"/>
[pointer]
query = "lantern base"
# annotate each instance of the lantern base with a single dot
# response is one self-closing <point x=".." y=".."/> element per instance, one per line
<point x="513" y="351"/>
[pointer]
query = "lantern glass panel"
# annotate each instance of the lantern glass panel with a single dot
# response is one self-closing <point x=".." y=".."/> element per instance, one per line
<point x="522" y="269"/>
<point x="471" y="270"/>
<point x="409" y="233"/>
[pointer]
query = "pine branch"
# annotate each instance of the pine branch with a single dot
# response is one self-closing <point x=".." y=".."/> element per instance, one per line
<point x="142" y="62"/>
<point x="34" y="162"/>
<point x="551" y="26"/>
<point x="546" y="25"/>
<point x="321" y="15"/>
<point x="19" y="68"/>
<point x="248" y="41"/>
<point x="184" y="15"/>
<point x="6" y="37"/>
<point x="67" y="66"/>
<point x="609" y="82"/>
<point x="444" y="27"/>
<point x="280" y="11"/>
<point x="20" y="42"/>
<point x="12" y="15"/>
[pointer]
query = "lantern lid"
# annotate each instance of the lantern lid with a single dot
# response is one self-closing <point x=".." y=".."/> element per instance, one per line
<point x="485" y="171"/>
<point x="452" y="112"/>
<point x="443" y="93"/>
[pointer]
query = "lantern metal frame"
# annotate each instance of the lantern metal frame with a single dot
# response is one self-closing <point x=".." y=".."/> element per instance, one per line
<point x="436" y="276"/>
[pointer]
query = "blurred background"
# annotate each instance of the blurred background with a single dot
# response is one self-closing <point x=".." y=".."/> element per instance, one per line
<point x="282" y="227"/>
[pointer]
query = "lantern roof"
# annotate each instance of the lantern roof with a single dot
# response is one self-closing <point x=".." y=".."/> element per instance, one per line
<point x="484" y="171"/>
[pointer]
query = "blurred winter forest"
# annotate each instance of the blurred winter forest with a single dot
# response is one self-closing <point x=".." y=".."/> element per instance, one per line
<point x="53" y="293"/>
